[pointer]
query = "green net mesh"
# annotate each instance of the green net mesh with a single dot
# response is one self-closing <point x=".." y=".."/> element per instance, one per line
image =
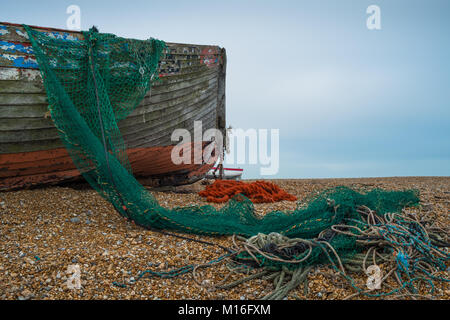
<point x="95" y="82"/>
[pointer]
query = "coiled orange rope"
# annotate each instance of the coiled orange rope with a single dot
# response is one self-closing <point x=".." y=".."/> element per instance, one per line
<point x="258" y="191"/>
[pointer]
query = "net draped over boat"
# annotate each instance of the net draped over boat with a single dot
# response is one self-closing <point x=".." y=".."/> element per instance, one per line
<point x="95" y="82"/>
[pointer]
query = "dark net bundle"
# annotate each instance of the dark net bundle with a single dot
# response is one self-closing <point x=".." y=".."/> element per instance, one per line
<point x="95" y="82"/>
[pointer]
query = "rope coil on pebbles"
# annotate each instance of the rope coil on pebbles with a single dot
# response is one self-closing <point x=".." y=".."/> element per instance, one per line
<point x="385" y="238"/>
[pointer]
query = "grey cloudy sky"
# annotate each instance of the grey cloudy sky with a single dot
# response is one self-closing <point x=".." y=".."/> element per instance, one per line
<point x="349" y="102"/>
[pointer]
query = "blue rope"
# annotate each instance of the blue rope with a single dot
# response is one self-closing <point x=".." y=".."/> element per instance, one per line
<point x="171" y="273"/>
<point x="410" y="235"/>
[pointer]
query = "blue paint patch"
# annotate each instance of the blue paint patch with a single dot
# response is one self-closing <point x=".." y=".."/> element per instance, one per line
<point x="61" y="36"/>
<point x="3" y="30"/>
<point x="15" y="47"/>
<point x="22" y="62"/>
<point x="19" y="61"/>
<point x="31" y="63"/>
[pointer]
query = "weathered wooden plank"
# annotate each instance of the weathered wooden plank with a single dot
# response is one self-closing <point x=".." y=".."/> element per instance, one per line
<point x="129" y="126"/>
<point x="176" y="96"/>
<point x="16" y="33"/>
<point x="154" y="136"/>
<point x="172" y="64"/>
<point x="10" y="99"/>
<point x="31" y="75"/>
<point x="29" y="146"/>
<point x="40" y="111"/>
<point x="24" y="129"/>
<point x="192" y="113"/>
<point x="16" y="47"/>
<point x="21" y="54"/>
<point x="16" y="51"/>
<point x="166" y="67"/>
<point x="48" y="135"/>
<point x="36" y="100"/>
<point x="18" y="61"/>
<point x="26" y="49"/>
<point x="19" y="87"/>
<point x="179" y="93"/>
<point x="157" y="111"/>
<point x="182" y="74"/>
<point x="190" y="82"/>
<point x="11" y="88"/>
<point x="36" y="116"/>
<point x="23" y="111"/>
<point x="36" y="157"/>
<point x="160" y="137"/>
<point x="24" y="124"/>
<point x="19" y="136"/>
<point x="13" y="80"/>
<point x="10" y="73"/>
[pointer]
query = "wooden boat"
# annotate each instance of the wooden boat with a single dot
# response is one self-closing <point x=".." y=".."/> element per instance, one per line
<point x="31" y="152"/>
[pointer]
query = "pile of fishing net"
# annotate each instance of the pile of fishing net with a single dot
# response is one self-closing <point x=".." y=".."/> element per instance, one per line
<point x="401" y="255"/>
<point x="93" y="83"/>
<point x="257" y="192"/>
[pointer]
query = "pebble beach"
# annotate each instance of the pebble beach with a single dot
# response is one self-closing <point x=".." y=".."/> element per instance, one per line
<point x="43" y="231"/>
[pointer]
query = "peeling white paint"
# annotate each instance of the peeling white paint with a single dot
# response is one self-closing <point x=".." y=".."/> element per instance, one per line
<point x="13" y="47"/>
<point x="31" y="74"/>
<point x="7" y="47"/>
<point x="22" y="34"/>
<point x="20" y="74"/>
<point x="3" y="30"/>
<point x="59" y="35"/>
<point x="9" y="74"/>
<point x="20" y="61"/>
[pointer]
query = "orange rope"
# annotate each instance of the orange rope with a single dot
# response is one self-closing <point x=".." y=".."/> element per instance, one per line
<point x="258" y="191"/>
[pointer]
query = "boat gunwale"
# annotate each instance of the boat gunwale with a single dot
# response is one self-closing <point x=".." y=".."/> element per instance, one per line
<point x="81" y="32"/>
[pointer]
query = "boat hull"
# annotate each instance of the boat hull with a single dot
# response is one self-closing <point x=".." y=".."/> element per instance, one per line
<point x="54" y="166"/>
<point x="192" y="89"/>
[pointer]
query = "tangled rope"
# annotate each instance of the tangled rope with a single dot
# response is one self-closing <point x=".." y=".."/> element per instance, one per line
<point x="410" y="249"/>
<point x="413" y="249"/>
<point x="258" y="191"/>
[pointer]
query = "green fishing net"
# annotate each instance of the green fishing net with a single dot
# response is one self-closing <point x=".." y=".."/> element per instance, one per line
<point x="94" y="82"/>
